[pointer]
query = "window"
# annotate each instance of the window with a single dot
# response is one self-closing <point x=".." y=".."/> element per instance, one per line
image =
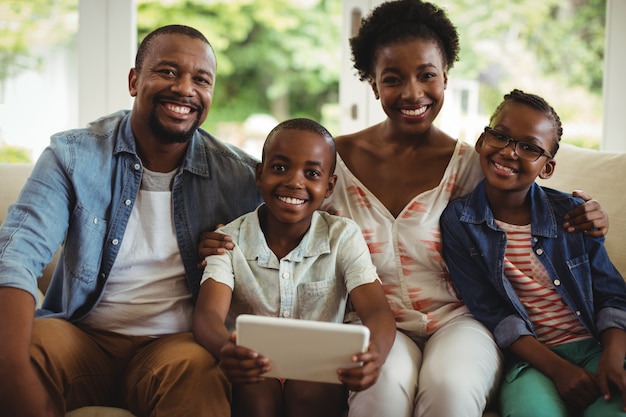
<point x="38" y="75"/>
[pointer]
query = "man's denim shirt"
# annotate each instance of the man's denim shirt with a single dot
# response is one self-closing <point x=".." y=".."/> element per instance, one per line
<point x="579" y="267"/>
<point x="81" y="194"/>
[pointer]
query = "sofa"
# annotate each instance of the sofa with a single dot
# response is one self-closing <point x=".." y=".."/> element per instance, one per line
<point x="599" y="173"/>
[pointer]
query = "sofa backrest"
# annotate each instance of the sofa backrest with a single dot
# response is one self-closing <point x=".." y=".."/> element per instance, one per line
<point x="600" y="174"/>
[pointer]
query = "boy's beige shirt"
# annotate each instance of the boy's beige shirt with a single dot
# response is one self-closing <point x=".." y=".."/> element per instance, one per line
<point x="312" y="282"/>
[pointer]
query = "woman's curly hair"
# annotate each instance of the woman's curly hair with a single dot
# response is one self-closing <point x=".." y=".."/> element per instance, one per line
<point x="398" y="20"/>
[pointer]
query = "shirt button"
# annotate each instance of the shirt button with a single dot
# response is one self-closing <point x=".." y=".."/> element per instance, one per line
<point x="115" y="242"/>
<point x="286" y="314"/>
<point x="127" y="202"/>
<point x="578" y="312"/>
<point x="285" y="275"/>
<point x="557" y="282"/>
<point x="137" y="167"/>
<point x="539" y="251"/>
<point x="95" y="220"/>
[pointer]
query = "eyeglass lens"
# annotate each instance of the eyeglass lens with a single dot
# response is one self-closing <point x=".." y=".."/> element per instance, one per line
<point x="524" y="150"/>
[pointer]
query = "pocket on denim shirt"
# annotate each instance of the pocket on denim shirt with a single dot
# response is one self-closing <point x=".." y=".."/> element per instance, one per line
<point x="83" y="245"/>
<point x="580" y="268"/>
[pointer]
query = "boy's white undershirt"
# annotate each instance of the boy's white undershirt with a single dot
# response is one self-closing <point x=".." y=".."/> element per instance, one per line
<point x="147" y="292"/>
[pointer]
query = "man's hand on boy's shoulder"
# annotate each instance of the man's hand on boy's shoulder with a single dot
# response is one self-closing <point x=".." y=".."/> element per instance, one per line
<point x="213" y="243"/>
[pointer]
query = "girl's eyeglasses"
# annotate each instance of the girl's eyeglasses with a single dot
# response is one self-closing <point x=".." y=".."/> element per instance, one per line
<point x="524" y="150"/>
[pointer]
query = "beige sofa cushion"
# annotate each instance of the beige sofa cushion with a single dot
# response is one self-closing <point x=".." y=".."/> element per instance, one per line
<point x="99" y="412"/>
<point x="602" y="175"/>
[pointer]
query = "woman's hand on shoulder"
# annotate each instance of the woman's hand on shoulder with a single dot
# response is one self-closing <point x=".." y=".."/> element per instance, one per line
<point x="589" y="217"/>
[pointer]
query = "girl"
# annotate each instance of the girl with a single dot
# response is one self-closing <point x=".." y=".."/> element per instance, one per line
<point x="553" y="300"/>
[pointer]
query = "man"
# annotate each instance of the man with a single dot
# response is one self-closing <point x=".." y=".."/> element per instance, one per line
<point x="127" y="197"/>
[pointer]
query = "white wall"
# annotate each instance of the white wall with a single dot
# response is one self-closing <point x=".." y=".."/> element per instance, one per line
<point x="107" y="43"/>
<point x="357" y="104"/>
<point x="614" y="88"/>
<point x="39" y="102"/>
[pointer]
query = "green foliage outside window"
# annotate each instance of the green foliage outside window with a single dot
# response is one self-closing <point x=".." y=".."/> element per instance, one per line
<point x="14" y="155"/>
<point x="279" y="57"/>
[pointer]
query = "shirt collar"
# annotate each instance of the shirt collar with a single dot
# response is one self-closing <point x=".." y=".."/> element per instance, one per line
<point x="196" y="157"/>
<point x="315" y="242"/>
<point x="543" y="219"/>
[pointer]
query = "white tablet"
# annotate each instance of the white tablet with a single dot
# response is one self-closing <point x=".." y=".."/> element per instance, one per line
<point x="302" y="349"/>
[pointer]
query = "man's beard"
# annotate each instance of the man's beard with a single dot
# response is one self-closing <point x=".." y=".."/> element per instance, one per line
<point x="167" y="136"/>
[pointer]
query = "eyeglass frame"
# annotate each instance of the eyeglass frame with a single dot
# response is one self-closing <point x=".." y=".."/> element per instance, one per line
<point x="515" y="142"/>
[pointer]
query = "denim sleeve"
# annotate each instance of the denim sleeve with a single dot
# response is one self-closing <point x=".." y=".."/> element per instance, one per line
<point x="609" y="288"/>
<point x="477" y="284"/>
<point x="610" y="317"/>
<point x="35" y="225"/>
<point x="509" y="330"/>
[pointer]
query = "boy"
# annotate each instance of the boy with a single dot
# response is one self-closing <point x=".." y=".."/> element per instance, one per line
<point x="290" y="260"/>
<point x="548" y="296"/>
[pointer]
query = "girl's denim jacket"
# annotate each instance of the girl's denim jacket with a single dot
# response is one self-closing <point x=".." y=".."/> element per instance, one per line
<point x="80" y="195"/>
<point x="579" y="267"/>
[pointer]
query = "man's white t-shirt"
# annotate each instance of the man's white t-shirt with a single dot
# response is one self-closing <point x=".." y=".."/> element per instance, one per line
<point x="146" y="293"/>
